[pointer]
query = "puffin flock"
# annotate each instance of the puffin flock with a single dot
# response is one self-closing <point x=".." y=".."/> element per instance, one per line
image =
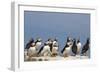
<point x="50" y="48"/>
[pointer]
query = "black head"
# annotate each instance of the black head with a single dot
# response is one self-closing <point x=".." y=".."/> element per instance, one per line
<point x="55" y="39"/>
<point x="74" y="41"/>
<point x="88" y="40"/>
<point x="68" y="40"/>
<point x="39" y="40"/>
<point x="49" y="39"/>
<point x="78" y="40"/>
<point x="31" y="40"/>
<point x="45" y="44"/>
<point x="67" y="45"/>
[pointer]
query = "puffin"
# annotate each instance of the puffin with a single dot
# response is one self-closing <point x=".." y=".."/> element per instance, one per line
<point x="29" y="43"/>
<point x="54" y="48"/>
<point x="66" y="50"/>
<point x="74" y="47"/>
<point x="69" y="41"/>
<point x="50" y="43"/>
<point x="32" y="50"/>
<point x="45" y="50"/>
<point x="79" y="45"/>
<point x="38" y="43"/>
<point x="85" y="47"/>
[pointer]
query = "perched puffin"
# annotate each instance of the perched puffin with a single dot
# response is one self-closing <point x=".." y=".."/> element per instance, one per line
<point x="54" y="48"/>
<point x="74" y="47"/>
<point x="69" y="41"/>
<point x="45" y="50"/>
<point x="66" y="50"/>
<point x="86" y="47"/>
<point x="32" y="50"/>
<point x="50" y="43"/>
<point x="38" y="43"/>
<point x="79" y="45"/>
<point x="29" y="43"/>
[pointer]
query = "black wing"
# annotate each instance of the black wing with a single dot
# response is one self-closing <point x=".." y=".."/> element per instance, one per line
<point x="85" y="49"/>
<point x="40" y="49"/>
<point x="74" y="49"/>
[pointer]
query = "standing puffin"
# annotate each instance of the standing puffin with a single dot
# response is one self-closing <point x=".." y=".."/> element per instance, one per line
<point x="69" y="41"/>
<point x="50" y="43"/>
<point x="28" y="45"/>
<point x="85" y="47"/>
<point x="74" y="47"/>
<point x="45" y="50"/>
<point x="38" y="43"/>
<point x="54" y="48"/>
<point x="79" y="45"/>
<point x="32" y="50"/>
<point x="67" y="48"/>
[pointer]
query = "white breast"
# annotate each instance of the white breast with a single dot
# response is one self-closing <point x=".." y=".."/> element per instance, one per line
<point x="79" y="45"/>
<point x="55" y="43"/>
<point x="32" y="50"/>
<point x="46" y="50"/>
<point x="38" y="45"/>
<point x="55" y="48"/>
<point x="67" y="50"/>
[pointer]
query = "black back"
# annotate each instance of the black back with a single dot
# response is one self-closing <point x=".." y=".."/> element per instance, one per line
<point x="40" y="49"/>
<point x="68" y="39"/>
<point x="50" y="47"/>
<point x="64" y="48"/>
<point x="74" y="47"/>
<point x="29" y="44"/>
<point x="85" y="47"/>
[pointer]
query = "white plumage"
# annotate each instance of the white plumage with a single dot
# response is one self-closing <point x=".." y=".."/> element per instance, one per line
<point x="38" y="45"/>
<point x="79" y="45"/>
<point x="46" y="51"/>
<point x="67" y="51"/>
<point x="32" y="50"/>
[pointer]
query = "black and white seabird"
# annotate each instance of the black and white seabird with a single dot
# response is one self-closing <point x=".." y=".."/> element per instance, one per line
<point x="38" y="43"/>
<point x="66" y="50"/>
<point x="86" y="47"/>
<point x="79" y="45"/>
<point x="69" y="41"/>
<point x="74" y="47"/>
<point x="32" y="52"/>
<point x="55" y="48"/>
<point x="45" y="50"/>
<point x="29" y="43"/>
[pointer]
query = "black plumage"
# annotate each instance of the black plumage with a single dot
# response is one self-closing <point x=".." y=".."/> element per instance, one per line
<point x="74" y="47"/>
<point x="85" y="47"/>
<point x="50" y="46"/>
<point x="40" y="50"/>
<point x="29" y="44"/>
<point x="64" y="48"/>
